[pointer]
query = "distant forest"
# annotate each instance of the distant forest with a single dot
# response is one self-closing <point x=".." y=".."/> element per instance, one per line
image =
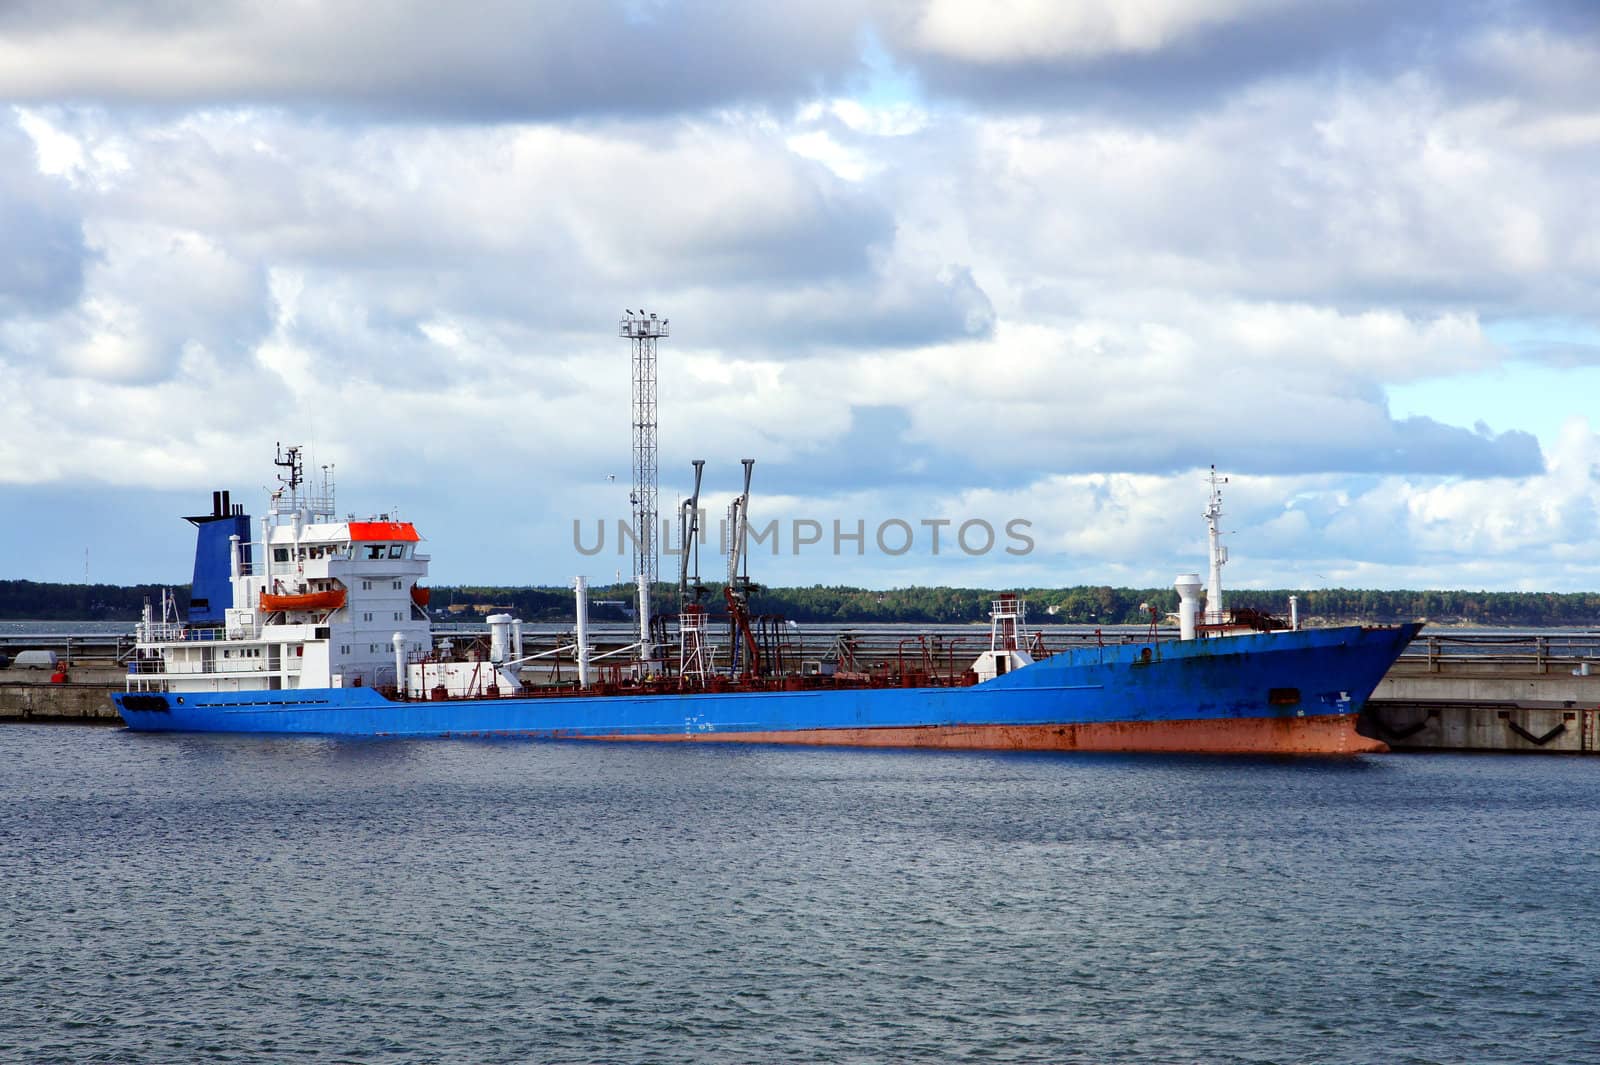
<point x="34" y="601"/>
<point x="1082" y="605"/>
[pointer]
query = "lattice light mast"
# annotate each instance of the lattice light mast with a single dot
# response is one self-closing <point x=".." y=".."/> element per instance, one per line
<point x="643" y="330"/>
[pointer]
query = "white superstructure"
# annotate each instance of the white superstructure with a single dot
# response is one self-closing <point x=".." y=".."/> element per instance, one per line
<point x="318" y="602"/>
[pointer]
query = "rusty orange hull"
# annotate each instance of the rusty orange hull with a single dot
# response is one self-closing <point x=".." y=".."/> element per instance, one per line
<point x="1289" y="735"/>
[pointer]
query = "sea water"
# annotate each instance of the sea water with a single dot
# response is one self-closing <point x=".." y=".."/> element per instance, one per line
<point x="168" y="898"/>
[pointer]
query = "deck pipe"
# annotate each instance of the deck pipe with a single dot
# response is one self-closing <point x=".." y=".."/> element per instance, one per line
<point x="581" y="587"/>
<point x="399" y="643"/>
<point x="647" y="653"/>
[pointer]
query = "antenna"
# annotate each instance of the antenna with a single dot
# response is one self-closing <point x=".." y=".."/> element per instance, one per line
<point x="290" y="460"/>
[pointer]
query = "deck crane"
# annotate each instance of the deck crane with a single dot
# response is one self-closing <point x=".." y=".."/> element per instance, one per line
<point x="694" y="650"/>
<point x="744" y="657"/>
<point x="689" y="539"/>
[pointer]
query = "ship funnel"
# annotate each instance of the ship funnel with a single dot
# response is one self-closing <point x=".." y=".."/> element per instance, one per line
<point x="215" y="558"/>
<point x="1188" y="585"/>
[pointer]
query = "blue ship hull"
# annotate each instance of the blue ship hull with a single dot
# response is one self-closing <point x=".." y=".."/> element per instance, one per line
<point x="1278" y="692"/>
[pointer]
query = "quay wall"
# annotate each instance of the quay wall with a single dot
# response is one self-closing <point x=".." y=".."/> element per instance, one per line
<point x="85" y="697"/>
<point x="1464" y="727"/>
<point x="1442" y="701"/>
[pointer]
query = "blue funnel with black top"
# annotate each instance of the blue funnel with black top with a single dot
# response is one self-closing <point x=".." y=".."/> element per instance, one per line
<point x="211" y="593"/>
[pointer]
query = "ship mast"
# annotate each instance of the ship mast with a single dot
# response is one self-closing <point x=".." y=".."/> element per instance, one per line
<point x="1219" y="553"/>
<point x="315" y="505"/>
<point x="292" y="480"/>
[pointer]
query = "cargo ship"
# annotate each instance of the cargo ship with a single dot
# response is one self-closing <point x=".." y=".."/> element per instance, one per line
<point x="314" y="624"/>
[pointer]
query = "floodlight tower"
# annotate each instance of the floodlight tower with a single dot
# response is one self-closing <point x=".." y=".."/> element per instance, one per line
<point x="643" y="331"/>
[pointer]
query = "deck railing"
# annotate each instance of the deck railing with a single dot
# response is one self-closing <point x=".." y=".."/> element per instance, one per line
<point x="1457" y="652"/>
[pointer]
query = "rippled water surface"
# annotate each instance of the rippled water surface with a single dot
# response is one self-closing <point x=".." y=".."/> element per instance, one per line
<point x="199" y="898"/>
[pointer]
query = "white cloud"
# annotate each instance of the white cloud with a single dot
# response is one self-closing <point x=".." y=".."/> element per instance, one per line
<point x="1035" y="30"/>
<point x="1529" y="517"/>
<point x="1535" y="56"/>
<point x="1503" y="534"/>
<point x="844" y="135"/>
<point x="489" y="60"/>
<point x="1013" y="301"/>
<point x="150" y="293"/>
<point x="1278" y="387"/>
<point x="1580" y="130"/>
<point x="1343" y="191"/>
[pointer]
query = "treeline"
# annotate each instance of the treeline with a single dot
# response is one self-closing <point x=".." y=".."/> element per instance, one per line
<point x="39" y="601"/>
<point x="1102" y="605"/>
<point x="840" y="604"/>
<point x="1080" y="605"/>
<point x="530" y="604"/>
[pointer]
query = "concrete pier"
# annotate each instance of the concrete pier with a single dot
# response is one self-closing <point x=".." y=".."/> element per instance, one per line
<point x="85" y="697"/>
<point x="1470" y="692"/>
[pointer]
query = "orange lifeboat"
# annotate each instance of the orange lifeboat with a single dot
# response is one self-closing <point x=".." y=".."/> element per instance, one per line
<point x="332" y="599"/>
<point x="420" y="595"/>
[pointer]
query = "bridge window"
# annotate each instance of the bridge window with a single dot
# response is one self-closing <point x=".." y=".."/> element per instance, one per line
<point x="397" y="550"/>
<point x="375" y="551"/>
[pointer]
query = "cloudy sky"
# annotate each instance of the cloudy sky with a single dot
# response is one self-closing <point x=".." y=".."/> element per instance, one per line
<point x="924" y="260"/>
